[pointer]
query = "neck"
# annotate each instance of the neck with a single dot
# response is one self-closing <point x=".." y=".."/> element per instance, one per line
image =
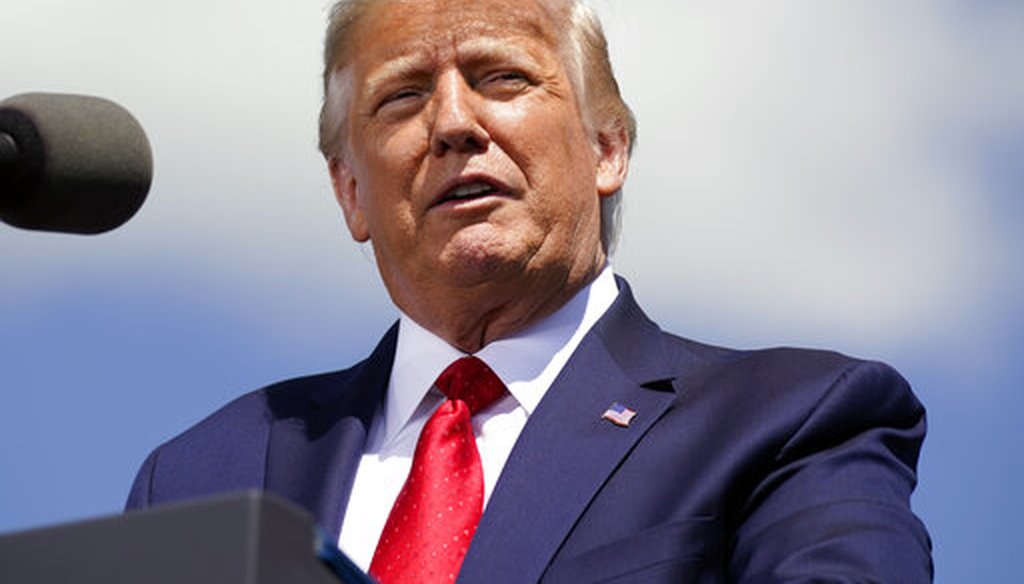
<point x="469" y="318"/>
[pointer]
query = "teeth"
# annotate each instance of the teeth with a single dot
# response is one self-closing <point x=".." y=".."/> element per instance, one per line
<point x="470" y="190"/>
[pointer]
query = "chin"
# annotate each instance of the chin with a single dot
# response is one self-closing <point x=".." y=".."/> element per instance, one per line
<point x="470" y="261"/>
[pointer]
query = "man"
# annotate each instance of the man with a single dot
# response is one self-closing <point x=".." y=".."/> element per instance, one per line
<point x="480" y="147"/>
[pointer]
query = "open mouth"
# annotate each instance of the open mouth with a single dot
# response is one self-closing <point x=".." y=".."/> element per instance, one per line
<point x="470" y="191"/>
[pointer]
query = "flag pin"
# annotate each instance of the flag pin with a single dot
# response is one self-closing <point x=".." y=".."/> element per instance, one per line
<point x="619" y="415"/>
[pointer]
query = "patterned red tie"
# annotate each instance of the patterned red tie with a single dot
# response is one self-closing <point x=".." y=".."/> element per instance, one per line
<point x="436" y="513"/>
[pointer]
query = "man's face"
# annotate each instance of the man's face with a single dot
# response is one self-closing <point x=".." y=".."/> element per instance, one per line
<point x="467" y="162"/>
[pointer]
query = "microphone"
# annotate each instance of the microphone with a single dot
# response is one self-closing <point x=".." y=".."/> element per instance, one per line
<point x="71" y="163"/>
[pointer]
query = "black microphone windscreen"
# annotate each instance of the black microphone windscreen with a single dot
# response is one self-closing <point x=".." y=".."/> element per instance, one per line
<point x="83" y="164"/>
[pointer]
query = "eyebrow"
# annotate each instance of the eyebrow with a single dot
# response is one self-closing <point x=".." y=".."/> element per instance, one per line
<point x="473" y="51"/>
<point x="492" y="49"/>
<point x="397" y="68"/>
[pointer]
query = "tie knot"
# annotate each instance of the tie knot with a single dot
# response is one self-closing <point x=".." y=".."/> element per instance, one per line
<point x="469" y="379"/>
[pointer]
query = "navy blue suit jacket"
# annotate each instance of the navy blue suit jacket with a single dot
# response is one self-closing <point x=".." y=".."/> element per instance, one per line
<point x="780" y="465"/>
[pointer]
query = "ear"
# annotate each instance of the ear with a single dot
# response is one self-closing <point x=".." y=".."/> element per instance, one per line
<point x="345" y="193"/>
<point x="612" y="159"/>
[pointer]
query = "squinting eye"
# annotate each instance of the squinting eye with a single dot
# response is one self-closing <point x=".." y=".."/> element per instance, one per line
<point x="398" y="98"/>
<point x="504" y="84"/>
<point x="403" y="94"/>
<point x="505" y="77"/>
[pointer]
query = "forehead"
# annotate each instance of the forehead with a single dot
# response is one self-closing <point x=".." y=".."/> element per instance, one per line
<point x="396" y="28"/>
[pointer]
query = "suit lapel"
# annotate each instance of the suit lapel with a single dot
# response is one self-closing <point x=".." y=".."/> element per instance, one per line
<point x="319" y="433"/>
<point x="566" y="451"/>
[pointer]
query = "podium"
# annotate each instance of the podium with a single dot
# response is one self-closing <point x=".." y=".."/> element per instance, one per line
<point x="247" y="538"/>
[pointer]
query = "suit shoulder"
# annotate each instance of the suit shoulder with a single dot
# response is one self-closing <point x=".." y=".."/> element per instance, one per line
<point x="871" y="383"/>
<point x="770" y="361"/>
<point x="226" y="450"/>
<point x="798" y="375"/>
<point x="768" y="356"/>
<point x="245" y="415"/>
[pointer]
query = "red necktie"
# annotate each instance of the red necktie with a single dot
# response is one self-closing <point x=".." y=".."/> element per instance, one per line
<point x="436" y="513"/>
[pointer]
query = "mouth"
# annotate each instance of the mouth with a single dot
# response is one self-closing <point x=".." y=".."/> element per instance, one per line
<point x="469" y="189"/>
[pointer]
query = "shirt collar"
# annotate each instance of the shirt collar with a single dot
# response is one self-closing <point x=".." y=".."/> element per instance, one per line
<point x="527" y="362"/>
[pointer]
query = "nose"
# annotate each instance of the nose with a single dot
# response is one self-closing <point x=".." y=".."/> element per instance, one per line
<point x="456" y="126"/>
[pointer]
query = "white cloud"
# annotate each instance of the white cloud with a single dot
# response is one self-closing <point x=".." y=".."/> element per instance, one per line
<point x="796" y="170"/>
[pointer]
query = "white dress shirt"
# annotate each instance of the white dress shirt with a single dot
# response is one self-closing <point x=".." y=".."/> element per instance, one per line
<point x="527" y="363"/>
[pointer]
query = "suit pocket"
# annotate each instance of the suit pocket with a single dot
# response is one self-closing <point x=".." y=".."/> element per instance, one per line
<point x="682" y="551"/>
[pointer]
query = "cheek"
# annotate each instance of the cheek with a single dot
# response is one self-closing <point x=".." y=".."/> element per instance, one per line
<point x="385" y="204"/>
<point x="405" y="137"/>
<point x="565" y="160"/>
<point x="547" y="143"/>
<point x="391" y="163"/>
<point x="527" y="131"/>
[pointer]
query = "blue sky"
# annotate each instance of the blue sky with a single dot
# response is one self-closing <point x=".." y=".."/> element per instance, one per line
<point x="846" y="175"/>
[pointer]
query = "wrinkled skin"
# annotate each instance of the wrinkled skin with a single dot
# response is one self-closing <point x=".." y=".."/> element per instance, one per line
<point x="469" y="165"/>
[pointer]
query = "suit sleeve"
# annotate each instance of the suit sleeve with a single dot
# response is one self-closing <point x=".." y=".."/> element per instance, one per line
<point x="835" y="506"/>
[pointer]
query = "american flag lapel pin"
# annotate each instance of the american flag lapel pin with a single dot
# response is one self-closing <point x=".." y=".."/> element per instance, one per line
<point x="619" y="415"/>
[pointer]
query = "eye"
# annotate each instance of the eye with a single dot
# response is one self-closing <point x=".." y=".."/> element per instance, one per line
<point x="504" y="82"/>
<point x="505" y="76"/>
<point x="399" y="99"/>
